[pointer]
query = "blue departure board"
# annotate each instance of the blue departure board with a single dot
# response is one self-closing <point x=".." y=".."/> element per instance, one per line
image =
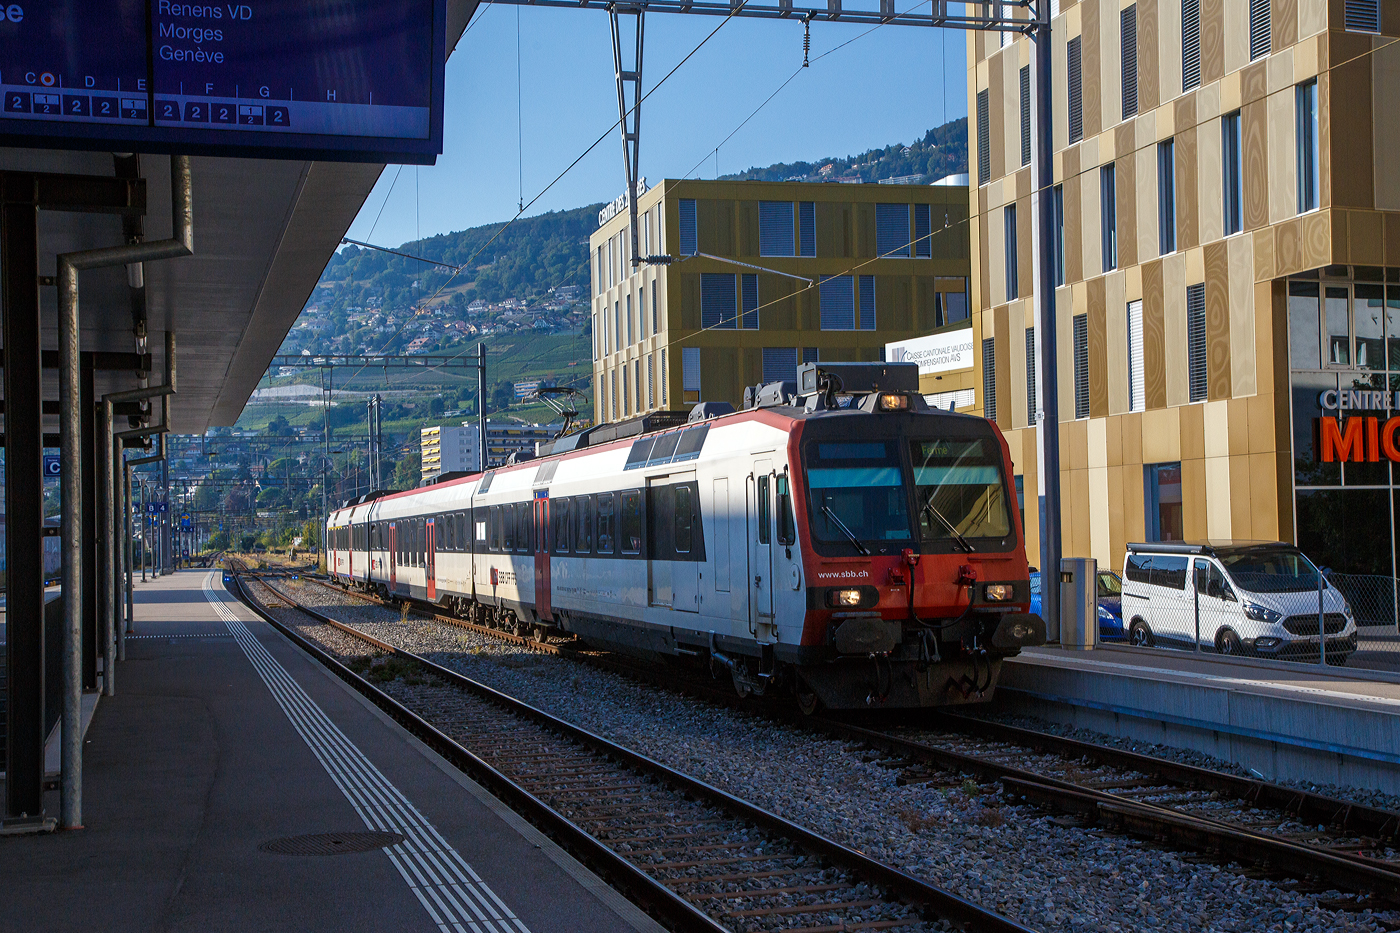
<point x="352" y="80"/>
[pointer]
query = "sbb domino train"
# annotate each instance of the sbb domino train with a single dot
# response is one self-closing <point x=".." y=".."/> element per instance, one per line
<point x="836" y="538"/>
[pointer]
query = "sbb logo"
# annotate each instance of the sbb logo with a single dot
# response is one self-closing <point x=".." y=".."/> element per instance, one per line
<point x="14" y="13"/>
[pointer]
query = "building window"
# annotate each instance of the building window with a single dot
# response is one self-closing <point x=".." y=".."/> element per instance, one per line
<point x="836" y="295"/>
<point x="1190" y="44"/>
<point x="1076" y="92"/>
<point x="1030" y="376"/>
<point x="1307" y="137"/>
<point x="923" y="231"/>
<point x="612" y="379"/>
<point x="612" y="262"/>
<point x="690" y="373"/>
<point x="749" y="296"/>
<point x="599" y="280"/>
<point x="867" y="302"/>
<point x="989" y="378"/>
<point x="779" y="364"/>
<point x="641" y="310"/>
<point x="1166" y="196"/>
<point x="1012" y="280"/>
<point x="809" y="354"/>
<point x="984" y="139"/>
<point x="1162" y="497"/>
<point x="775" y="228"/>
<point x="617" y="324"/>
<point x="892" y="230"/>
<point x="651" y="381"/>
<point x="1232" y="173"/>
<point x="1259" y="39"/>
<point x="717" y="308"/>
<point x="1026" y="115"/>
<point x="688" y="244"/>
<point x="952" y="307"/>
<point x="1198" y="386"/>
<point x="1338" y="324"/>
<point x="1127" y="21"/>
<point x="626" y="396"/>
<point x="1363" y="16"/>
<point x="1057" y="204"/>
<point x="807" y="228"/>
<point x="1108" y="216"/>
<point x="1081" y="366"/>
<point x="654" y="328"/>
<point x="664" y="390"/>
<point x="1137" y="400"/>
<point x="629" y="319"/>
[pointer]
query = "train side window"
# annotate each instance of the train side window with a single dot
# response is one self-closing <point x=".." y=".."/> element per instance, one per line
<point x="631" y="531"/>
<point x="605" y="523"/>
<point x="765" y="517"/>
<point x="562" y="525"/>
<point x="522" y="527"/>
<point x="464" y="540"/>
<point x="583" y="544"/>
<point x="787" y="527"/>
<point x="508" y="526"/>
<point x="684" y="519"/>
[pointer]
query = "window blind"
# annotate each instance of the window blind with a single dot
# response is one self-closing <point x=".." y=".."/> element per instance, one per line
<point x="1190" y="44"/>
<point x="867" y="302"/>
<point x="984" y="139"/>
<point x="750" y="298"/>
<point x="1076" y="92"/>
<point x="807" y="228"/>
<point x="1137" y="399"/>
<point x="1259" y="37"/>
<point x="923" y="231"/>
<point x="1030" y="376"/>
<point x="688" y="242"/>
<point x="1026" y="115"/>
<point x="775" y="228"/>
<point x="717" y="308"/>
<point x="1196" y="341"/>
<point x="1128" y="29"/>
<point x="690" y="368"/>
<point x="892" y="230"/>
<point x="836" y="295"/>
<point x="1081" y="366"/>
<point x="779" y="364"/>
<point x="989" y="379"/>
<point x="1363" y="15"/>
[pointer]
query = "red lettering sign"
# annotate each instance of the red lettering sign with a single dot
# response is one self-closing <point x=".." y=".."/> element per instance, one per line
<point x="1336" y="442"/>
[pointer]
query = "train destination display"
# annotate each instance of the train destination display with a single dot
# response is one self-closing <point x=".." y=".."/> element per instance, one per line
<point x="353" y="79"/>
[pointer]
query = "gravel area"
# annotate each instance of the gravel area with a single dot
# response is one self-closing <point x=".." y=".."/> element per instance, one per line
<point x="1018" y="861"/>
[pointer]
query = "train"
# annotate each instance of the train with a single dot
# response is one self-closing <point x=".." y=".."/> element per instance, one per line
<point x="836" y="539"/>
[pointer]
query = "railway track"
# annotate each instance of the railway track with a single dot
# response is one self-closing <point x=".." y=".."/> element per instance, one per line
<point x="696" y="857"/>
<point x="1281" y="832"/>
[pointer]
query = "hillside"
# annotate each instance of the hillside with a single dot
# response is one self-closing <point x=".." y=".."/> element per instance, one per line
<point x="942" y="151"/>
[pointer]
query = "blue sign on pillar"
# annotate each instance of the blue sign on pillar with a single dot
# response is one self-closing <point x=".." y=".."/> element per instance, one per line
<point x="53" y="465"/>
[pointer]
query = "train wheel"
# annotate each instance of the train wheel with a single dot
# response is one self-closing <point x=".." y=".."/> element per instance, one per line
<point x="807" y="701"/>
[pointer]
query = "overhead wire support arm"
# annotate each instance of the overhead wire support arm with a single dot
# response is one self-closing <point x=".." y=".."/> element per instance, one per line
<point x="629" y="117"/>
<point x="994" y="17"/>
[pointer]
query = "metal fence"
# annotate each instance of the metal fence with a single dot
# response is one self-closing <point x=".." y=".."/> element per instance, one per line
<point x="1173" y="601"/>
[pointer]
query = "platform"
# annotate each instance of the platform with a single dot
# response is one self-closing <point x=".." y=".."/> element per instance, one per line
<point x="1284" y="721"/>
<point x="223" y="737"/>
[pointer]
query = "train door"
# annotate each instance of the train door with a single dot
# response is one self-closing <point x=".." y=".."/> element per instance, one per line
<point x="659" y="543"/>
<point x="543" y="607"/>
<point x="392" y="541"/>
<point x="685" y="533"/>
<point x="760" y="523"/>
<point x="430" y="559"/>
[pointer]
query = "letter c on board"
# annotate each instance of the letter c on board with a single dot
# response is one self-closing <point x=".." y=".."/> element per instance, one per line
<point x="1328" y="399"/>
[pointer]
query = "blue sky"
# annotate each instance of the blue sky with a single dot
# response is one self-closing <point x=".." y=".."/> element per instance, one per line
<point x="887" y="86"/>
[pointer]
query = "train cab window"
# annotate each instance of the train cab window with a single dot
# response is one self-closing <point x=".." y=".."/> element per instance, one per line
<point x="605" y="523"/>
<point x="583" y="542"/>
<point x="631" y="530"/>
<point x="508" y="528"/>
<point x="787" y="526"/>
<point x="559" y="512"/>
<point x="765" y="510"/>
<point x="684" y="520"/>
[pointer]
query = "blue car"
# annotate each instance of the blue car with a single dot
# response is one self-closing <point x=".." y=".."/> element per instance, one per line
<point x="1110" y="604"/>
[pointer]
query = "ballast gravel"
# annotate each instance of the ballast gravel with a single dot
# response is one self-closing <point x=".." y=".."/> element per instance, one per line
<point x="1018" y="861"/>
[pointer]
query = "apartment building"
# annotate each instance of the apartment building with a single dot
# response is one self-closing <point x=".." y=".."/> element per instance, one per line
<point x="765" y="276"/>
<point x="1226" y="253"/>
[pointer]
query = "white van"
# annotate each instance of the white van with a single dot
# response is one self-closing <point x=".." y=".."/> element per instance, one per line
<point x="1258" y="598"/>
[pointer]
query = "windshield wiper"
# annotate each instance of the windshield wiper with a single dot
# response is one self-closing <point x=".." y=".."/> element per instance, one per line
<point x="855" y="542"/>
<point x="962" y="542"/>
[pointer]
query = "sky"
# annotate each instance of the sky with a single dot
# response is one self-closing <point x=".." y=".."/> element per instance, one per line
<point x="505" y="140"/>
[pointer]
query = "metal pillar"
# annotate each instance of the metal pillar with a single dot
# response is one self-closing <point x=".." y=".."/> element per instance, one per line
<point x="630" y="117"/>
<point x="481" y="402"/>
<point x="24" y="509"/>
<point x="90" y="481"/>
<point x="1047" y="372"/>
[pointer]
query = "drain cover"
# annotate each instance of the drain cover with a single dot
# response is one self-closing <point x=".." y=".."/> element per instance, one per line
<point x="330" y="843"/>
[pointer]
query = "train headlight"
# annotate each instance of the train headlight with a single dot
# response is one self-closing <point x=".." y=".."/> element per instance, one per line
<point x="891" y="401"/>
<point x="843" y="599"/>
<point x="998" y="592"/>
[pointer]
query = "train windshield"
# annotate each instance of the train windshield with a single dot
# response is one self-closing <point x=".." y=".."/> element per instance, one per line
<point x="960" y="490"/>
<point x="858" y="495"/>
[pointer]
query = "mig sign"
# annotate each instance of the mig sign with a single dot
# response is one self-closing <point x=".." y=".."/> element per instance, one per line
<point x="354" y="80"/>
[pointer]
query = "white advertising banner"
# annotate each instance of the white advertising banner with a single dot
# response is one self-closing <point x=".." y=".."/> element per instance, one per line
<point x="937" y="353"/>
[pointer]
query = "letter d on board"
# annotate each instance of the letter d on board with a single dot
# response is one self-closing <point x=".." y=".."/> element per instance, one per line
<point x="89" y="81"/>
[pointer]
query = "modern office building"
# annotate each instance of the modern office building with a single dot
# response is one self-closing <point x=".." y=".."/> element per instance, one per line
<point x="453" y="448"/>
<point x="1227" y="260"/>
<point x="764" y="276"/>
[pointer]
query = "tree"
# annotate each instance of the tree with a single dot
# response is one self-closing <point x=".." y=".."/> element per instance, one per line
<point x="311" y="533"/>
<point x="219" y="541"/>
<point x="409" y="471"/>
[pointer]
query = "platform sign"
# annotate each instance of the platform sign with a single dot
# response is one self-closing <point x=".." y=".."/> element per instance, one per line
<point x="53" y="465"/>
<point x="157" y="508"/>
<point x="185" y="523"/>
<point x="354" y="80"/>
